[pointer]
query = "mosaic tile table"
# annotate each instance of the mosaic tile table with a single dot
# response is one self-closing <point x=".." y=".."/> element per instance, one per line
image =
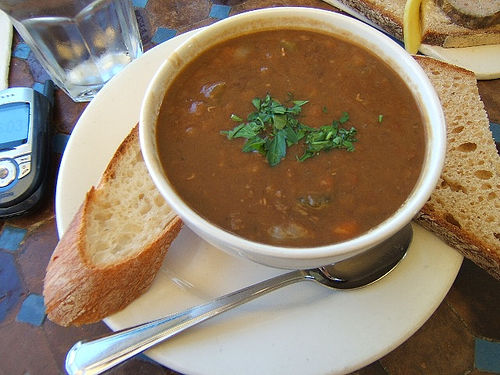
<point x="461" y="337"/>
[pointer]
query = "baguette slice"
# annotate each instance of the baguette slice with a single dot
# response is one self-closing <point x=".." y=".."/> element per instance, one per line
<point x="437" y="27"/>
<point x="114" y="245"/>
<point x="464" y="209"/>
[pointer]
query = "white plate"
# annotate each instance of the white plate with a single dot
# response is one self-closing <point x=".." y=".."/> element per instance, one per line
<point x="301" y="329"/>
<point x="484" y="61"/>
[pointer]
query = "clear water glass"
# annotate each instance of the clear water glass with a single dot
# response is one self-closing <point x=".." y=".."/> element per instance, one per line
<point x="81" y="44"/>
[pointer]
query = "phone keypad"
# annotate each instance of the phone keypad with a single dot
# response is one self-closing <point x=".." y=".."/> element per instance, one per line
<point x="8" y="172"/>
<point x="24" y="163"/>
<point x="24" y="169"/>
<point x="23" y="159"/>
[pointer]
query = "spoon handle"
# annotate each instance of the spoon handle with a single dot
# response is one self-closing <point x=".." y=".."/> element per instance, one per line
<point x="97" y="356"/>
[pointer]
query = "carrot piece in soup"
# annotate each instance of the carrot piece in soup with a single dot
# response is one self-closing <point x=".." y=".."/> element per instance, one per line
<point x="346" y="229"/>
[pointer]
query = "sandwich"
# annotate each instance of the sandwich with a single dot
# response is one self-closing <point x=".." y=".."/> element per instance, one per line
<point x="444" y="23"/>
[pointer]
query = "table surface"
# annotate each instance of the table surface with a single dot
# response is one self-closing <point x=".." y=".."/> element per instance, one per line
<point x="461" y="337"/>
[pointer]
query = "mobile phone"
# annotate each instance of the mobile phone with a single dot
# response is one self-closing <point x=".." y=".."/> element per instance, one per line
<point x="25" y="114"/>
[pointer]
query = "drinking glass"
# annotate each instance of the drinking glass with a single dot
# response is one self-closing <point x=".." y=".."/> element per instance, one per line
<point x="82" y="44"/>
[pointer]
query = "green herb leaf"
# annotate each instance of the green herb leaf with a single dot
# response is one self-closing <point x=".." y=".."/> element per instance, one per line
<point x="255" y="144"/>
<point x="276" y="148"/>
<point x="256" y="103"/>
<point x="244" y="130"/>
<point x="344" y="118"/>
<point x="273" y="127"/>
<point x="236" y="118"/>
<point x="327" y="138"/>
<point x="292" y="137"/>
<point x="279" y="121"/>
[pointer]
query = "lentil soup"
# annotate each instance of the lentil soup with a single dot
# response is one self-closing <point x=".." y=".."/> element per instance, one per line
<point x="330" y="197"/>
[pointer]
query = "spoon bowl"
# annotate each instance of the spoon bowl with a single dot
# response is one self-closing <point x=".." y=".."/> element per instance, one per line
<point x="367" y="267"/>
<point x="97" y="356"/>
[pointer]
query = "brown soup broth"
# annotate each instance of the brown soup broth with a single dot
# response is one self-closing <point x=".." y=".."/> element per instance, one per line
<point x="328" y="198"/>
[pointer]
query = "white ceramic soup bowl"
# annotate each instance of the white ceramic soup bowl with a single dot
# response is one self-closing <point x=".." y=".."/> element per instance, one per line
<point x="326" y="22"/>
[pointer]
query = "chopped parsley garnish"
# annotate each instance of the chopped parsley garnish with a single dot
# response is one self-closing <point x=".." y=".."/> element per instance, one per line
<point x="273" y="127"/>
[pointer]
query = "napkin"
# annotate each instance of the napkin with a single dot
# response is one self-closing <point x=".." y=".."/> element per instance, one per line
<point x="5" y="49"/>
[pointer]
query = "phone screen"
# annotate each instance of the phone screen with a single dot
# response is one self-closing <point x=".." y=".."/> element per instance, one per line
<point x="14" y="126"/>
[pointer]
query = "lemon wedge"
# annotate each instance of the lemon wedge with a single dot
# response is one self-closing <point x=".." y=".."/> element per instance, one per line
<point x="412" y="29"/>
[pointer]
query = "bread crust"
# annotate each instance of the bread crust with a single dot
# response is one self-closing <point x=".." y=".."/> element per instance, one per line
<point x="389" y="19"/>
<point x="465" y="243"/>
<point x="88" y="293"/>
<point x="461" y="39"/>
<point x="426" y="61"/>
<point x="110" y="171"/>
<point x="76" y="290"/>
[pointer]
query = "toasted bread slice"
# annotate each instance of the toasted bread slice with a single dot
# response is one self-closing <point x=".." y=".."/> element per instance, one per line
<point x="464" y="209"/>
<point x="114" y="245"/>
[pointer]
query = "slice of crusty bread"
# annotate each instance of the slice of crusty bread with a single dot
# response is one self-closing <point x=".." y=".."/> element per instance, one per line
<point x="464" y="209"/>
<point x="388" y="14"/>
<point x="437" y="27"/>
<point x="114" y="246"/>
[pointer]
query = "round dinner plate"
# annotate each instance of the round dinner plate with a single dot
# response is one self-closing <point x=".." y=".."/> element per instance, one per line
<point x="300" y="329"/>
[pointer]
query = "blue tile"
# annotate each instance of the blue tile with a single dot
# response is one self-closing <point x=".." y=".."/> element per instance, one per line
<point x="495" y="130"/>
<point x="59" y="142"/>
<point x="487" y="356"/>
<point x="22" y="51"/>
<point x="220" y="11"/>
<point x="162" y="34"/>
<point x="37" y="70"/>
<point x="10" y="284"/>
<point x="140" y="3"/>
<point x="11" y="238"/>
<point x="32" y="310"/>
<point x="37" y="86"/>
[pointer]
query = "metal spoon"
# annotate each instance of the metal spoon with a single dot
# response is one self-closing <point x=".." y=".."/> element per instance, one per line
<point x="97" y="356"/>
